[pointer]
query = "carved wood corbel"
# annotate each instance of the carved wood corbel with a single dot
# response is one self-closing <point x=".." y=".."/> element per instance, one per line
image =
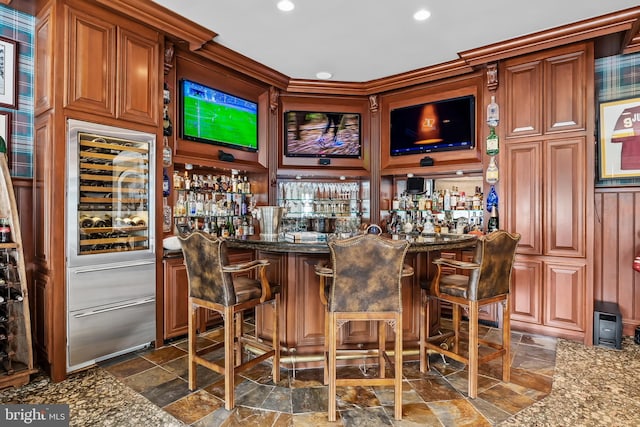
<point x="274" y="94"/>
<point x="373" y="103"/>
<point x="492" y="77"/>
<point x="169" y="51"/>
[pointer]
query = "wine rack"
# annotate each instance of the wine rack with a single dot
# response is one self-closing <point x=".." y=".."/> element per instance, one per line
<point x="114" y="193"/>
<point x="16" y="354"/>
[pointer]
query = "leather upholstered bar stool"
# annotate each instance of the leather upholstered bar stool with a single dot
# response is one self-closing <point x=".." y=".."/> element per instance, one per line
<point x="365" y="284"/>
<point x="488" y="282"/>
<point x="212" y="285"/>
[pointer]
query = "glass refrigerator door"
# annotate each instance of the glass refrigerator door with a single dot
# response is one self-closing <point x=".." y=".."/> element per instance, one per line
<point x="113" y="194"/>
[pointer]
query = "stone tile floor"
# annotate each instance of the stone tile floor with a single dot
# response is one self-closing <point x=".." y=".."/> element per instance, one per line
<point x="435" y="398"/>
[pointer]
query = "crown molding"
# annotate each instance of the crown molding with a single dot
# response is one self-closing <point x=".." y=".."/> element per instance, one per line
<point x="162" y="19"/>
<point x="579" y="31"/>
<point x="237" y="62"/>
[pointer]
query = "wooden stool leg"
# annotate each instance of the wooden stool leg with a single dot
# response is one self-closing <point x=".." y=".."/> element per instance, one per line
<point x="382" y="342"/>
<point x="456" y="327"/>
<point x="473" y="349"/>
<point x="506" y="341"/>
<point x="229" y="358"/>
<point x="397" y="402"/>
<point x="332" y="367"/>
<point x="424" y="332"/>
<point x="276" y="339"/>
<point x="193" y="338"/>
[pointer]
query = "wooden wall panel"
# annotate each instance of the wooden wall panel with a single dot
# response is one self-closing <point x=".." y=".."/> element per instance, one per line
<point x="617" y="242"/>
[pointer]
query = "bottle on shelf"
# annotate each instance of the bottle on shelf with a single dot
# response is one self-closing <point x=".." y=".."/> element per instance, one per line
<point x="493" y="112"/>
<point x="5" y="230"/>
<point x="494" y="223"/>
<point x="492" y="173"/>
<point x="165" y="183"/>
<point x="492" y="198"/>
<point x="493" y="143"/>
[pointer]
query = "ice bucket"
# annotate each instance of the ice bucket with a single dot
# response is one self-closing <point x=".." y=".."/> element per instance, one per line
<point x="269" y="218"/>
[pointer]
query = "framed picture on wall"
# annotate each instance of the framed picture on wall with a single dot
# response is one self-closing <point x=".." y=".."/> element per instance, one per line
<point x="619" y="139"/>
<point x="8" y="73"/>
<point x="5" y="129"/>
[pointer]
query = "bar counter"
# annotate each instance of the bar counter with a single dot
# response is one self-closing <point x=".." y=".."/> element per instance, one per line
<point x="423" y="243"/>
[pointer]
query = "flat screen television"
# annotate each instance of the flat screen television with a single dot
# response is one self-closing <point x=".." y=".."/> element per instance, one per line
<point x="443" y="125"/>
<point x="322" y="134"/>
<point x="212" y="116"/>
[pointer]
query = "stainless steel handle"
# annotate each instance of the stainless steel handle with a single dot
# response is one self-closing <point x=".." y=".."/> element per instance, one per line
<point x="111" y="267"/>
<point x="119" y="307"/>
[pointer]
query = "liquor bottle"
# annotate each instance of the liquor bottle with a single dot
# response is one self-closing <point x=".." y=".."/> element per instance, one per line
<point x="492" y="198"/>
<point x="492" y="174"/>
<point x="493" y="146"/>
<point x="493" y="224"/>
<point x="165" y="183"/>
<point x="3" y="146"/>
<point x="493" y="112"/>
<point x="5" y="230"/>
<point x="167" y="126"/>
<point x="167" y="153"/>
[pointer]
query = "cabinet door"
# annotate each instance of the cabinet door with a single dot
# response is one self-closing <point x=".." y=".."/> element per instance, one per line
<point x="526" y="291"/>
<point x="523" y="83"/>
<point x="176" y="298"/>
<point x="523" y="188"/>
<point x="565" y="92"/>
<point x="90" y="60"/>
<point x="138" y="75"/>
<point x="564" y="294"/>
<point x="564" y="225"/>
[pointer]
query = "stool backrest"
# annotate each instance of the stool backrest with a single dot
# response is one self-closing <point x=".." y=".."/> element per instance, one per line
<point x="367" y="272"/>
<point x="204" y="257"/>
<point x="495" y="253"/>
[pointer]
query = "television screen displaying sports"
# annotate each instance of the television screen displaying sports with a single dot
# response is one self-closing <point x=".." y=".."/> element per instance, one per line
<point x="436" y="126"/>
<point x="212" y="116"/>
<point x="321" y="134"/>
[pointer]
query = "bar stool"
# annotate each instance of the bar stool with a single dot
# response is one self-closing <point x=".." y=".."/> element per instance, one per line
<point x="488" y="282"/>
<point x="212" y="285"/>
<point x="364" y="284"/>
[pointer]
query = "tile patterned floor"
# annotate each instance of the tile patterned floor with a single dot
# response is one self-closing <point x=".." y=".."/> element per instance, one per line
<point x="435" y="398"/>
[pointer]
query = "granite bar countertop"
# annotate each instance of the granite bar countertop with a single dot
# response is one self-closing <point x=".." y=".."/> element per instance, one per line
<point x="422" y="243"/>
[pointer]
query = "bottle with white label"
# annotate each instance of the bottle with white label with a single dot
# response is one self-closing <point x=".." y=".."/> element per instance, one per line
<point x="493" y="112"/>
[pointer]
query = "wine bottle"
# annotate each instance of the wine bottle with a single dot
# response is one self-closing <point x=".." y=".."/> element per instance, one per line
<point x="494" y="223"/>
<point x="493" y="147"/>
<point x="492" y="198"/>
<point x="14" y="294"/>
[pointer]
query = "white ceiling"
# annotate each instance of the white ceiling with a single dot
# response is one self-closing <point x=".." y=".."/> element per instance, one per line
<point x="363" y="40"/>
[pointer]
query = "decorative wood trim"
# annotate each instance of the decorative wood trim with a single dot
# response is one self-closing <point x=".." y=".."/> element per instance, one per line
<point x="492" y="77"/>
<point x="162" y="19"/>
<point x="631" y="42"/>
<point x="559" y="36"/>
<point x="169" y="51"/>
<point x="274" y="95"/>
<point x="241" y="64"/>
<point x="373" y="103"/>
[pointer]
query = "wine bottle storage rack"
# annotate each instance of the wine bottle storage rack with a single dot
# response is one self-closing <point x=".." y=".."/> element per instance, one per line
<point x="113" y="191"/>
<point x="16" y="354"/>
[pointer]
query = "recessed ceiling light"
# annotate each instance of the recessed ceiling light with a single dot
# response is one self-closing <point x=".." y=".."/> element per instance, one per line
<point x="422" y="15"/>
<point x="324" y="75"/>
<point x="286" y="5"/>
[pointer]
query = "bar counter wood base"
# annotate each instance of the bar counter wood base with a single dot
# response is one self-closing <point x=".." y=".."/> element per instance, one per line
<point x="302" y="313"/>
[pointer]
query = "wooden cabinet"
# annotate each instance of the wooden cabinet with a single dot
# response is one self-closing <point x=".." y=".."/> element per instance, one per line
<point x="176" y="298"/>
<point x="111" y="66"/>
<point x="547" y="187"/>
